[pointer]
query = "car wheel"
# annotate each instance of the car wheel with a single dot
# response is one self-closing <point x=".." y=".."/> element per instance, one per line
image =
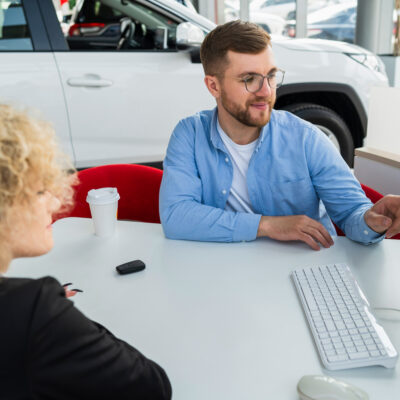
<point x="330" y="123"/>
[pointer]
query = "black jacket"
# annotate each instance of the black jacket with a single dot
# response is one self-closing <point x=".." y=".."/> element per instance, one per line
<point x="50" y="350"/>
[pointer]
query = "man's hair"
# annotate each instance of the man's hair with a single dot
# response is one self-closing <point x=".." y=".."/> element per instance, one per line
<point x="237" y="36"/>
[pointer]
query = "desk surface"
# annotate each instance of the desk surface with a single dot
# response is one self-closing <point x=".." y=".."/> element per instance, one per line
<point x="223" y="319"/>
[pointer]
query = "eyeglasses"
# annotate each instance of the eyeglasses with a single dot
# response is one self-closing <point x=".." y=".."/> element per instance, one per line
<point x="254" y="82"/>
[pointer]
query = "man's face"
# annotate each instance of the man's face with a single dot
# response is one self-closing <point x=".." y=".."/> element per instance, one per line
<point x="250" y="109"/>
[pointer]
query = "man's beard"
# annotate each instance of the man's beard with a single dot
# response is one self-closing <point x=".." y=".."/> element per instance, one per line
<point x="242" y="114"/>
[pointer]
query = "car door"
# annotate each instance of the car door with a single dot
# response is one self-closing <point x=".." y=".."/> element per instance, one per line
<point x="124" y="103"/>
<point x="28" y="73"/>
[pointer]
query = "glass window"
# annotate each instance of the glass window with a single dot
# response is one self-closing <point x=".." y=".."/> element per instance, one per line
<point x="14" y="32"/>
<point x="271" y="15"/>
<point x="118" y="25"/>
<point x="333" y="21"/>
<point x="327" y="19"/>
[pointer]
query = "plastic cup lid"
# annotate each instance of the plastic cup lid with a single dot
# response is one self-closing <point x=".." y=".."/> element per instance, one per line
<point x="101" y="196"/>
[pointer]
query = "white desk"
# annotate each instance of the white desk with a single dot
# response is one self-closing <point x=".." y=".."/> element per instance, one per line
<point x="218" y="317"/>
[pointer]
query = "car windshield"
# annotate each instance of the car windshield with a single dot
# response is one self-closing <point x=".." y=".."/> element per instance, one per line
<point x="95" y="10"/>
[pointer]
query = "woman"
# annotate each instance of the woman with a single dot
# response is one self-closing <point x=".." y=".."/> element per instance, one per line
<point x="49" y="350"/>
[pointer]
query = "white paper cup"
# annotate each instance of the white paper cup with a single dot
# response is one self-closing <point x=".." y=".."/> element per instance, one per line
<point x="103" y="207"/>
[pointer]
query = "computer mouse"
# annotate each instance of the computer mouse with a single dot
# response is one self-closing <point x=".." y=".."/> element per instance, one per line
<point x="320" y="387"/>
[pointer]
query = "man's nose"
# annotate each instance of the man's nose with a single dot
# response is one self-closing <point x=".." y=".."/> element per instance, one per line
<point x="265" y="89"/>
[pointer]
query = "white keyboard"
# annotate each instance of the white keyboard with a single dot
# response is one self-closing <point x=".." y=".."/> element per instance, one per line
<point x="346" y="333"/>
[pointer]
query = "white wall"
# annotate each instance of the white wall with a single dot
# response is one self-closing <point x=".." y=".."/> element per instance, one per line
<point x="383" y="130"/>
<point x="378" y="164"/>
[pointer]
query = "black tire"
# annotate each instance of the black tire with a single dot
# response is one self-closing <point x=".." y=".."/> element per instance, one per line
<point x="330" y="123"/>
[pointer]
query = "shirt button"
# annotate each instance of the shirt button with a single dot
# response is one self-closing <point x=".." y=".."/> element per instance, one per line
<point x="224" y="191"/>
<point x="365" y="232"/>
<point x="226" y="159"/>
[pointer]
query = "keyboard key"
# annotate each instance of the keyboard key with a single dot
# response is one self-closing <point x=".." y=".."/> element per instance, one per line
<point x="310" y="299"/>
<point x="330" y="326"/>
<point x="359" y="323"/>
<point x="346" y="339"/>
<point x="340" y="325"/>
<point x="338" y="357"/>
<point x="358" y="355"/>
<point x="339" y="346"/>
<point x="321" y="330"/>
<point x="351" y="350"/>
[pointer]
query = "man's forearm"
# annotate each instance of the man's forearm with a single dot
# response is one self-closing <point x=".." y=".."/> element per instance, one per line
<point x="191" y="220"/>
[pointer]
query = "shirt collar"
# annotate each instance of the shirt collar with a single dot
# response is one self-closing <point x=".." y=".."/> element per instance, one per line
<point x="216" y="138"/>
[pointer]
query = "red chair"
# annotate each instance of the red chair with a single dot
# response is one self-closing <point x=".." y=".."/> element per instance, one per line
<point x="374" y="196"/>
<point x="138" y="187"/>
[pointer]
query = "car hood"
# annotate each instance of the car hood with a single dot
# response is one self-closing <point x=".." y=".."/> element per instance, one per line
<point x="318" y="45"/>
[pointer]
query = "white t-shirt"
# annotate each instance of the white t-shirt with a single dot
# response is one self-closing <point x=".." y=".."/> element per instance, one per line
<point x="238" y="199"/>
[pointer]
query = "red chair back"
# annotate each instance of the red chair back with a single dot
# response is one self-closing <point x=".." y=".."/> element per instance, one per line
<point x="374" y="196"/>
<point x="138" y="187"/>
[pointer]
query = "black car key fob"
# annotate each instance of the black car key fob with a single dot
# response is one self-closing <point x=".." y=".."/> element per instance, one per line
<point x="130" y="267"/>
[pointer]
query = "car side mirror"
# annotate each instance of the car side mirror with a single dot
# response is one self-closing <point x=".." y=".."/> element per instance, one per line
<point x="188" y="36"/>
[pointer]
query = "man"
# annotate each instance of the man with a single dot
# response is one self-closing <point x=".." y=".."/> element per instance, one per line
<point x="244" y="170"/>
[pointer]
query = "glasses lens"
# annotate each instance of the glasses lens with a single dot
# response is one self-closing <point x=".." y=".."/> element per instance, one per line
<point x="276" y="79"/>
<point x="254" y="83"/>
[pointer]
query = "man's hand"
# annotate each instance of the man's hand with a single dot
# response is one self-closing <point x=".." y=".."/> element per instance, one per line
<point x="385" y="216"/>
<point x="295" y="227"/>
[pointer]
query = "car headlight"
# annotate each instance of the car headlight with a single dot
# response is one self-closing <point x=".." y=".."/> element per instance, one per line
<point x="371" y="61"/>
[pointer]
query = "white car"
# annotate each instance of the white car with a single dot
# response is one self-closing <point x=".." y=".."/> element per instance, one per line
<point x="116" y="87"/>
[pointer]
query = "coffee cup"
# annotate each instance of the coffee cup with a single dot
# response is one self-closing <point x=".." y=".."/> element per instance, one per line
<point x="103" y="205"/>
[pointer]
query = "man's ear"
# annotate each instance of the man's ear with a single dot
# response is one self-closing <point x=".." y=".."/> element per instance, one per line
<point x="213" y="85"/>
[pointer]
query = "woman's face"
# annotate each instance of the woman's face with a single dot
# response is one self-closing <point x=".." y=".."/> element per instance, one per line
<point x="30" y="227"/>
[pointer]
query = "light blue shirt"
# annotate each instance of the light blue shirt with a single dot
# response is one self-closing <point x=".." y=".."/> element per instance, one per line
<point x="294" y="170"/>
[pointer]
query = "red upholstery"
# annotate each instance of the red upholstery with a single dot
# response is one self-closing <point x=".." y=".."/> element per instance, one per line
<point x="138" y="187"/>
<point x="374" y="196"/>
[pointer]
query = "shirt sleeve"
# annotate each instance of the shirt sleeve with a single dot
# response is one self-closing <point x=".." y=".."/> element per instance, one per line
<point x="72" y="357"/>
<point x="341" y="193"/>
<point x="183" y="216"/>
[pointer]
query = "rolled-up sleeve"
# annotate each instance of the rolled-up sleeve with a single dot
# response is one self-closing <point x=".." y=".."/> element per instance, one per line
<point x="341" y="193"/>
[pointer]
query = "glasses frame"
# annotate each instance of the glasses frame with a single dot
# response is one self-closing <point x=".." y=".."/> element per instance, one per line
<point x="268" y="77"/>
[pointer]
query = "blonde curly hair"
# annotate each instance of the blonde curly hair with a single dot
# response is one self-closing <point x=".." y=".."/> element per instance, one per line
<point x="30" y="156"/>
